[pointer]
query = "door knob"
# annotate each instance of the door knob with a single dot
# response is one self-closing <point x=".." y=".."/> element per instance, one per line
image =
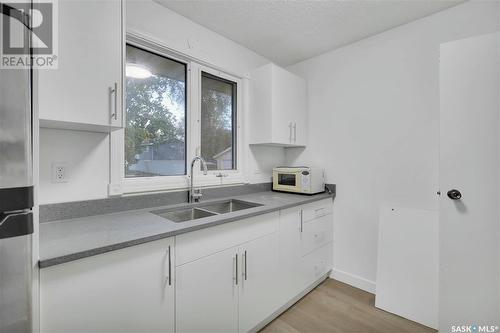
<point x="454" y="194"/>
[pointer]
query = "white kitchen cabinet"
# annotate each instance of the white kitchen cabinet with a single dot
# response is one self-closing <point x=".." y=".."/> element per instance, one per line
<point x="278" y="105"/>
<point x="127" y="290"/>
<point x="290" y="254"/>
<point x="305" y="246"/>
<point x="259" y="281"/>
<point x="207" y="293"/>
<point x="85" y="91"/>
<point x="227" y="276"/>
<point x="229" y="291"/>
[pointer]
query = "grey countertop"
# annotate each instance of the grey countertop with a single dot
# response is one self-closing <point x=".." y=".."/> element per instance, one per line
<point x="67" y="240"/>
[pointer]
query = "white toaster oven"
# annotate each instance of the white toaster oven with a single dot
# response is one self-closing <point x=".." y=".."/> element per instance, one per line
<point x="304" y="180"/>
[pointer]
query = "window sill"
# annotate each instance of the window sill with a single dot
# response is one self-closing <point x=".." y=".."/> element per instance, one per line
<point x="178" y="183"/>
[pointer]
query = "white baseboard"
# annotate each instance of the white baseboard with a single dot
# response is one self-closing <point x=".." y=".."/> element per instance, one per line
<point x="353" y="280"/>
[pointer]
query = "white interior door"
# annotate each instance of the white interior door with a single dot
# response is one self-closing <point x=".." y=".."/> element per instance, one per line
<point x="469" y="163"/>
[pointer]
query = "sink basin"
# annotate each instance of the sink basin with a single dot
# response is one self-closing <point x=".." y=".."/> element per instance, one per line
<point x="183" y="214"/>
<point x="229" y="206"/>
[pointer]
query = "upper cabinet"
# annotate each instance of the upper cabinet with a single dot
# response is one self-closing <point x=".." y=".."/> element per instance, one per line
<point x="278" y="107"/>
<point x="85" y="92"/>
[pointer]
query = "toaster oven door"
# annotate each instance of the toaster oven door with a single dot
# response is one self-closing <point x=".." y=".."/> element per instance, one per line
<point x="287" y="181"/>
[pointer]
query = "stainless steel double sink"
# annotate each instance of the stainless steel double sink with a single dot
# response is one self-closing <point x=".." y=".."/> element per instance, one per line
<point x="184" y="214"/>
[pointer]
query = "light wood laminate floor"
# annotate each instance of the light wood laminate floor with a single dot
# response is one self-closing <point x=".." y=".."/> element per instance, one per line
<point x="339" y="308"/>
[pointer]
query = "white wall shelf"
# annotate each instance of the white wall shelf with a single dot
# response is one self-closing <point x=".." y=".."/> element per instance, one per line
<point x="75" y="126"/>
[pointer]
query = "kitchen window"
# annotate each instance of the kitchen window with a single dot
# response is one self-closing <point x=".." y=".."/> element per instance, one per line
<point x="176" y="107"/>
<point x="155" y="133"/>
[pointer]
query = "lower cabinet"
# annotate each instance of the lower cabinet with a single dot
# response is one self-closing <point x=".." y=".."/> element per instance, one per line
<point x="295" y="276"/>
<point x="207" y="294"/>
<point x="305" y="246"/>
<point x="127" y="290"/>
<point x="229" y="291"/>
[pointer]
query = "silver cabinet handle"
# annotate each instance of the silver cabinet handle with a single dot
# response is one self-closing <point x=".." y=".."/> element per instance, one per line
<point x="294" y="132"/>
<point x="169" y="267"/>
<point x="245" y="258"/>
<point x="114" y="91"/>
<point x="301" y="220"/>
<point x="235" y="272"/>
<point x="290" y="132"/>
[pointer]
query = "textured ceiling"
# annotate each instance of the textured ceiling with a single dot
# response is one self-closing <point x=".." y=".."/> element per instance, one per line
<point x="291" y="31"/>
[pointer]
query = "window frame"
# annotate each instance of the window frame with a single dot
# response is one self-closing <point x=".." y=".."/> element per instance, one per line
<point x="120" y="185"/>
<point x="229" y="176"/>
<point x="156" y="183"/>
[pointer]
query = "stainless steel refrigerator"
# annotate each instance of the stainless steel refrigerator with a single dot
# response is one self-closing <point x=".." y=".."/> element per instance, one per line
<point x="16" y="191"/>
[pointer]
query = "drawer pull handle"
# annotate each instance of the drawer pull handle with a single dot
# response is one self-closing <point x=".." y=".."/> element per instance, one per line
<point x="235" y="263"/>
<point x="169" y="267"/>
<point x="245" y="265"/>
<point x="301" y="220"/>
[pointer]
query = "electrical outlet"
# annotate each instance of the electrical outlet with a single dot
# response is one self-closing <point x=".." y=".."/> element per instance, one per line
<point x="59" y="172"/>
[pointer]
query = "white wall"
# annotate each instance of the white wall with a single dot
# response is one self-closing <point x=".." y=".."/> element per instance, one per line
<point x="376" y="104"/>
<point x="87" y="154"/>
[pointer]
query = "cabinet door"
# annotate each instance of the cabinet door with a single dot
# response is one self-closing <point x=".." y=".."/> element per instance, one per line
<point x="90" y="48"/>
<point x="283" y="108"/>
<point x="288" y="107"/>
<point x="293" y="274"/>
<point x="259" y="280"/>
<point x="127" y="290"/>
<point x="207" y="293"/>
<point x="300" y="113"/>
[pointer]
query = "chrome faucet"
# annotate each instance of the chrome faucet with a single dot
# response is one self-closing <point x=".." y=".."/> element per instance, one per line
<point x="195" y="194"/>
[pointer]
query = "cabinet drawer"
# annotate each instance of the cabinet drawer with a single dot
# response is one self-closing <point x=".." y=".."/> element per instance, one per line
<point x="194" y="245"/>
<point x="319" y="262"/>
<point x="316" y="233"/>
<point x="317" y="209"/>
